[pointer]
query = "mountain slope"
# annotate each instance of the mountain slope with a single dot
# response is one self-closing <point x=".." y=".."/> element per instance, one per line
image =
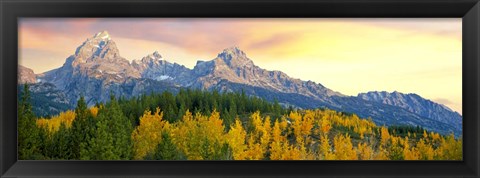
<point x="47" y="99"/>
<point x="382" y="114"/>
<point x="416" y="104"/>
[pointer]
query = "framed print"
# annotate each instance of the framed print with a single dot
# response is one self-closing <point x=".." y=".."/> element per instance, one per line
<point x="230" y="88"/>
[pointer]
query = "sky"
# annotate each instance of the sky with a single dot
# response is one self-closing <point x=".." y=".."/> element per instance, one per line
<point x="351" y="56"/>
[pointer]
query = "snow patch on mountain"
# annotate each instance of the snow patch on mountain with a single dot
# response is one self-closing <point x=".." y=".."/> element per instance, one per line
<point x="163" y="77"/>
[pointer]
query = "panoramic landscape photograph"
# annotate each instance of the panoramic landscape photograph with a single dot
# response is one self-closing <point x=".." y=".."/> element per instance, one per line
<point x="239" y="89"/>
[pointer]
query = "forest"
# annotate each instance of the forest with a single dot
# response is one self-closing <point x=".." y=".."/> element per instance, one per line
<point x="208" y="125"/>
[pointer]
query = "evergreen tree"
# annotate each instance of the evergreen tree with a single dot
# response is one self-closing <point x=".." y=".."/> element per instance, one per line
<point x="82" y="128"/>
<point x="166" y="150"/>
<point x="28" y="133"/>
<point x="60" y="146"/>
<point x="112" y="138"/>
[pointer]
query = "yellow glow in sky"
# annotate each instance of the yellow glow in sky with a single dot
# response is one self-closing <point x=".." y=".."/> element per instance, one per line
<point x="422" y="56"/>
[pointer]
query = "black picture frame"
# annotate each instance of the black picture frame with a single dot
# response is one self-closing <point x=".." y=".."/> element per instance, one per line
<point x="11" y="10"/>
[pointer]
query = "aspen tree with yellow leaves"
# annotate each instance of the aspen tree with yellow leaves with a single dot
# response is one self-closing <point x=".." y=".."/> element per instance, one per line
<point x="426" y="151"/>
<point x="278" y="141"/>
<point x="53" y="124"/>
<point x="343" y="148"/>
<point x="148" y="134"/>
<point x="200" y="137"/>
<point x="236" y="139"/>
<point x="325" y="149"/>
<point x="410" y="153"/>
<point x="365" y="152"/>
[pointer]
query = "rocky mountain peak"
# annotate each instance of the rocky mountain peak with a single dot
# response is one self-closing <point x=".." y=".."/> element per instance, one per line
<point x="234" y="57"/>
<point x="98" y="46"/>
<point x="103" y="35"/>
<point x="151" y="60"/>
<point x="155" y="56"/>
<point x="234" y="50"/>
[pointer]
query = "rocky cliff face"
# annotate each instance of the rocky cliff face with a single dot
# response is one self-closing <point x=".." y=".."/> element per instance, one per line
<point x="97" y="70"/>
<point x="26" y="75"/>
<point x="153" y="66"/>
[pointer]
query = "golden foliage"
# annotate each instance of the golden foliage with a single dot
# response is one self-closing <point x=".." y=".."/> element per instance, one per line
<point x="258" y="140"/>
<point x="291" y="138"/>
<point x="409" y="153"/>
<point x="147" y="135"/>
<point x="94" y="111"/>
<point x="344" y="148"/>
<point x="325" y="126"/>
<point x="385" y="136"/>
<point x="325" y="149"/>
<point x="426" y="150"/>
<point x="236" y="139"/>
<point x="53" y="124"/>
<point x="278" y="140"/>
<point x="365" y="152"/>
<point x="298" y="135"/>
<point x="199" y="136"/>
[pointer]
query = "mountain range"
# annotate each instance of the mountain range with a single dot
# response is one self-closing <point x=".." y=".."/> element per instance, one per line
<point x="97" y="69"/>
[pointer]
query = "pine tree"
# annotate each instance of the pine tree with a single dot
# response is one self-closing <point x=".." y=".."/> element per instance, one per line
<point x="112" y="138"/>
<point x="82" y="128"/>
<point x="61" y="144"/>
<point x="166" y="150"/>
<point x="28" y="133"/>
